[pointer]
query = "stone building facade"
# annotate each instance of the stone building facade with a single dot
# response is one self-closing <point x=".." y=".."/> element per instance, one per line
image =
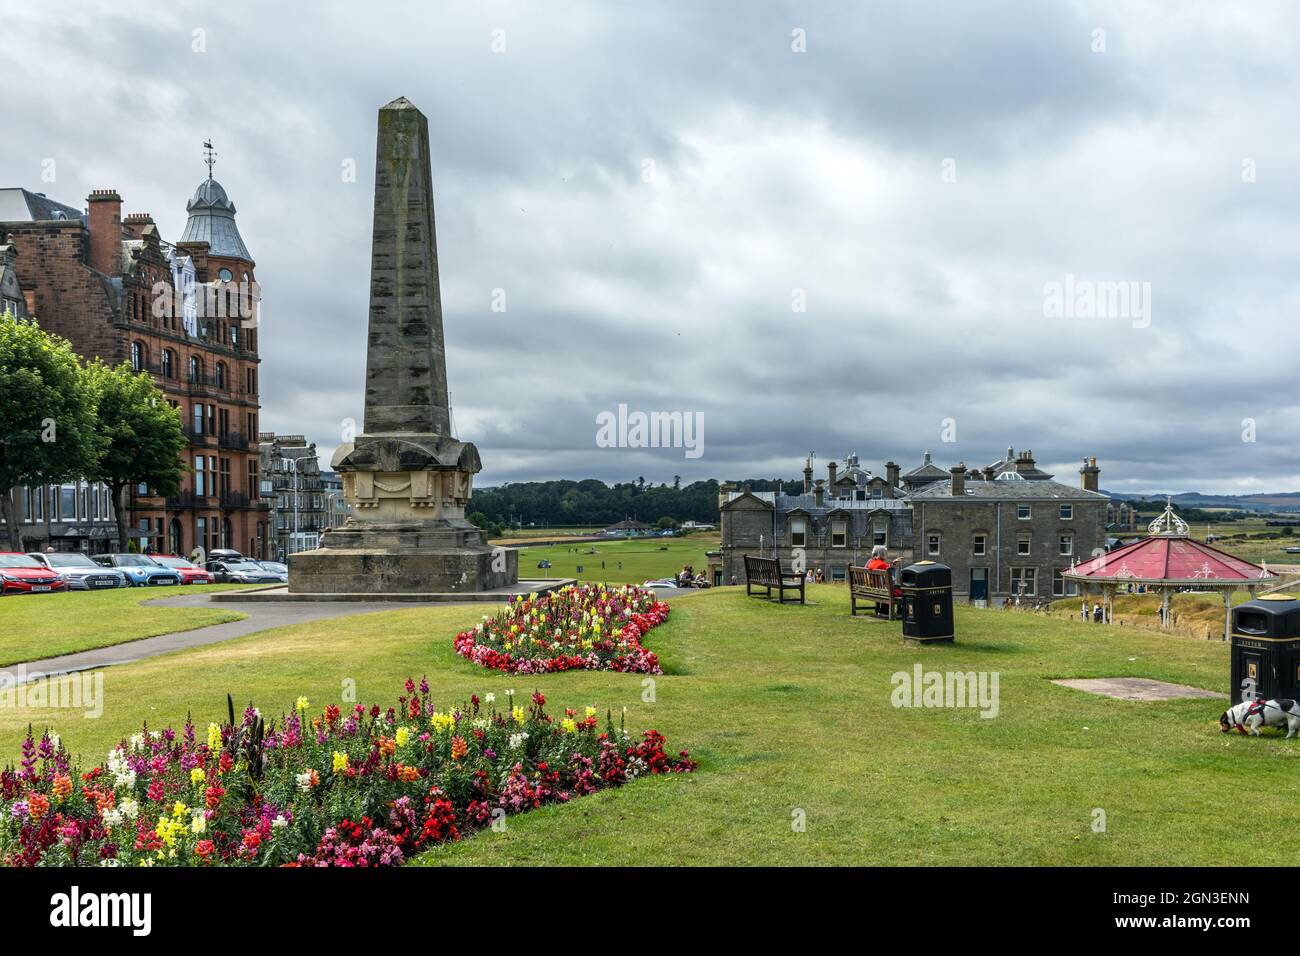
<point x="1010" y="535"/>
<point x="817" y="530"/>
<point x="1006" y="530"/>
<point x="296" y="492"/>
<point x="183" y="312"/>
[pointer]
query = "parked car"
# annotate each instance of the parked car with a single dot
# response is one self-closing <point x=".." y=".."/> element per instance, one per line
<point x="20" y="574"/>
<point x="225" y="554"/>
<point x="190" y="573"/>
<point x="274" y="567"/>
<point x="78" y="572"/>
<point x="664" y="584"/>
<point x="243" y="572"/>
<point x="140" y="570"/>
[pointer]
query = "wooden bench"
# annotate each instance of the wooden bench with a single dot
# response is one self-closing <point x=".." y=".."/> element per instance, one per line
<point x="767" y="573"/>
<point x="876" y="586"/>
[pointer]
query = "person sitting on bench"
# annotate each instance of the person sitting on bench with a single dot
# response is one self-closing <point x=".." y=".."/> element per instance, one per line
<point x="879" y="562"/>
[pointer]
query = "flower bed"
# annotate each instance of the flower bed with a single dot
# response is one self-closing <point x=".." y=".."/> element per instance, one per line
<point x="363" y="787"/>
<point x="581" y="627"/>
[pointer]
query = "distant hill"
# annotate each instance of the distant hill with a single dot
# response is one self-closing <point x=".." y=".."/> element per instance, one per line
<point x="1271" y="501"/>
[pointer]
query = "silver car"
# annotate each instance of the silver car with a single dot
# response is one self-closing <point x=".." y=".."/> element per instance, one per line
<point x="80" y="573"/>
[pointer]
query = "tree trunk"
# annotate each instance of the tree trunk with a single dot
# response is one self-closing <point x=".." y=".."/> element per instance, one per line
<point x="119" y="514"/>
<point x="9" y="501"/>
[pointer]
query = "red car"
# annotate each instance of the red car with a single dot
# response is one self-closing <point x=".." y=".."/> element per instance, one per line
<point x="20" y="574"/>
<point x="189" y="573"/>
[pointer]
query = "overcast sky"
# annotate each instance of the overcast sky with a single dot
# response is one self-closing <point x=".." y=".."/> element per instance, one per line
<point x="659" y="188"/>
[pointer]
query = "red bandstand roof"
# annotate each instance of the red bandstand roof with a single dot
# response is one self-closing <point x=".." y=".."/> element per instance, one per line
<point x="1170" y="556"/>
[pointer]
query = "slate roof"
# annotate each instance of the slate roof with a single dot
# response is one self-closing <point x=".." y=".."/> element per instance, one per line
<point x="926" y="470"/>
<point x="21" y="205"/>
<point x="981" y="490"/>
<point x="212" y="220"/>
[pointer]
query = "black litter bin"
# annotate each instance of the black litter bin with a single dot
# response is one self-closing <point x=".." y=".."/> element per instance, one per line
<point x="927" y="602"/>
<point x="1266" y="648"/>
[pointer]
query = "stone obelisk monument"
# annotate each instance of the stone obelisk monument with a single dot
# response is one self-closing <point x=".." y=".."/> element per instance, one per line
<point x="407" y="479"/>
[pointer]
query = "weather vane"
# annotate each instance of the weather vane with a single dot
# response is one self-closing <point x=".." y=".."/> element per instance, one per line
<point x="209" y="156"/>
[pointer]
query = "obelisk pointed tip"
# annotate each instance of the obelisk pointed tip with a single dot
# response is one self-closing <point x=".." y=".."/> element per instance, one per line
<point x="401" y="103"/>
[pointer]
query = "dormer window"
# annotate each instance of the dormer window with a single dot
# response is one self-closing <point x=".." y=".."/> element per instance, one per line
<point x="798" y="532"/>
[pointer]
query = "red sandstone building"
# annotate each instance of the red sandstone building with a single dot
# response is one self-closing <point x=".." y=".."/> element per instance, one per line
<point x="108" y="284"/>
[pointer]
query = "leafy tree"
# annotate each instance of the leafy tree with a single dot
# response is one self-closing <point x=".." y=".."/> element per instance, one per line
<point x="143" y="442"/>
<point x="47" y="415"/>
<point x="666" y="522"/>
<point x="478" y="519"/>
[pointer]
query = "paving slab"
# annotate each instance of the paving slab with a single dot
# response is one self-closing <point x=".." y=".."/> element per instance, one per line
<point x="1137" y="688"/>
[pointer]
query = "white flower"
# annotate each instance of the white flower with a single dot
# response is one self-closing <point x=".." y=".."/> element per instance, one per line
<point x="490" y="698"/>
<point x="279" y="823"/>
<point x="137" y="741"/>
<point x="112" y="817"/>
<point x="304" y="781"/>
<point x="198" y="822"/>
<point x="517" y="740"/>
<point x="130" y="808"/>
<point x="54" y="740"/>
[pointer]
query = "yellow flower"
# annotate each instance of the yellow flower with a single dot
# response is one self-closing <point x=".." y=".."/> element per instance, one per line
<point x="403" y="736"/>
<point x="301" y="703"/>
<point x="591" y="711"/>
<point x="518" y="714"/>
<point x="198" y="822"/>
<point x="442" y="722"/>
<point x="214" y="737"/>
<point x="569" y="726"/>
<point x="197" y="775"/>
<point x="179" y="809"/>
<point x="340" y="761"/>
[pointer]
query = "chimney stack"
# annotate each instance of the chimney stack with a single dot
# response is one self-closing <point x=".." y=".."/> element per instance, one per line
<point x="1025" y="461"/>
<point x="1089" y="475"/>
<point x="105" y="224"/>
<point x="832" y="469"/>
<point x="958" y="473"/>
<point x="725" y="489"/>
<point x="807" y="475"/>
<point x="134" y="224"/>
<point x="819" y="490"/>
<point x="891" y="478"/>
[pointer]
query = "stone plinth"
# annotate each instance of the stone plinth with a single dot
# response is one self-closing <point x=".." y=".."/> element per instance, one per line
<point x="429" y="568"/>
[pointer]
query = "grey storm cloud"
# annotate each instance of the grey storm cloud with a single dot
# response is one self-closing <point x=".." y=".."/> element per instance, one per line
<point x="840" y="250"/>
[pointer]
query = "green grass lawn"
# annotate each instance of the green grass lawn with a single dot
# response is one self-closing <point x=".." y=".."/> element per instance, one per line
<point x="33" y="626"/>
<point x="788" y="711"/>
<point x="641" y="559"/>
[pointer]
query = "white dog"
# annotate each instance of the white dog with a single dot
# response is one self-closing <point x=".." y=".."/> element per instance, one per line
<point x="1250" y="715"/>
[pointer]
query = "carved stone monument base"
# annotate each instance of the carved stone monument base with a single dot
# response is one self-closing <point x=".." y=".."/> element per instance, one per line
<point x="430" y="568"/>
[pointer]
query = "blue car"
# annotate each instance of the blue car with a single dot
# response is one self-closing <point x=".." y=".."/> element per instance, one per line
<point x="140" y="571"/>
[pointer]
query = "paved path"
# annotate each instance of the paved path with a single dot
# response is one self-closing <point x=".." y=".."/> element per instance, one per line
<point x="260" y="617"/>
